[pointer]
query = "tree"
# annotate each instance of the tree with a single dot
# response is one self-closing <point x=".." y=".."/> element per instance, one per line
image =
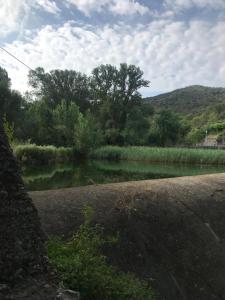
<point x="4" y="79"/>
<point x="65" y="118"/>
<point x="87" y="135"/>
<point x="110" y="83"/>
<point x="38" y="124"/>
<point x="136" y="129"/>
<point x="56" y="85"/>
<point x="103" y="82"/>
<point x="11" y="102"/>
<point x="117" y="91"/>
<point x="167" y="127"/>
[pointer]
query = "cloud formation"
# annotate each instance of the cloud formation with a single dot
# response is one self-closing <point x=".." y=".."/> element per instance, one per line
<point x="48" y="5"/>
<point x="187" y="4"/>
<point x="171" y="53"/>
<point x="13" y="14"/>
<point x="118" y="7"/>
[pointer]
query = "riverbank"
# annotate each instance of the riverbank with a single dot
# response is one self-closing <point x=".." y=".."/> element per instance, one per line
<point x="31" y="154"/>
<point x="164" y="155"/>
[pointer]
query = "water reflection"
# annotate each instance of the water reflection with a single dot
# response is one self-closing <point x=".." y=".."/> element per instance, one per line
<point x="99" y="172"/>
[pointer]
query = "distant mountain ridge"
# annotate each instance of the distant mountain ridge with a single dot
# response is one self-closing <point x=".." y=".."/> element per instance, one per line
<point x="190" y="100"/>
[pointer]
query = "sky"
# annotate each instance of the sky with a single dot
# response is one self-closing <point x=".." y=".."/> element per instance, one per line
<point x="176" y="43"/>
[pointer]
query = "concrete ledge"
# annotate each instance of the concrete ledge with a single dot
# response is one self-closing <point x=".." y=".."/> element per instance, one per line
<point x="172" y="231"/>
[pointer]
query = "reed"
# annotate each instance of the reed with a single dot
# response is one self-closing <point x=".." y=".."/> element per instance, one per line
<point x="165" y="155"/>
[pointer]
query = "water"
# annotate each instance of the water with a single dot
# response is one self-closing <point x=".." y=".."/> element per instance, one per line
<point x="99" y="172"/>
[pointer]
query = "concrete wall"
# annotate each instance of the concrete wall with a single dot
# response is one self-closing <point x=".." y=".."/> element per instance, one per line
<point x="171" y="231"/>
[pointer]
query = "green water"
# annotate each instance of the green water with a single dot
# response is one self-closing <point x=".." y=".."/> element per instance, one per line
<point x="98" y="172"/>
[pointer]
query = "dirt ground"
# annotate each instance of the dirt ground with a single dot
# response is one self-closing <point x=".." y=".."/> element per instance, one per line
<point x="171" y="231"/>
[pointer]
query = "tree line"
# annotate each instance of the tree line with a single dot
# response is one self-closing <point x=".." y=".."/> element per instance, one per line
<point x="68" y="108"/>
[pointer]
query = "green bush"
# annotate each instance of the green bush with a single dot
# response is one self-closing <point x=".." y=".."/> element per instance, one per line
<point x="84" y="268"/>
<point x="195" y="136"/>
<point x="33" y="154"/>
<point x="216" y="127"/>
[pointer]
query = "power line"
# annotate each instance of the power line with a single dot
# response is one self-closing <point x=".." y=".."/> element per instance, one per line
<point x="17" y="59"/>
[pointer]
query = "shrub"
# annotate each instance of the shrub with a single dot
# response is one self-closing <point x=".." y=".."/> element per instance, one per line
<point x="84" y="268"/>
<point x="195" y="136"/>
<point x="33" y="154"/>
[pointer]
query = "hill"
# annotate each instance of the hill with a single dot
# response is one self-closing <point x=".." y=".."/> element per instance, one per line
<point x="190" y="100"/>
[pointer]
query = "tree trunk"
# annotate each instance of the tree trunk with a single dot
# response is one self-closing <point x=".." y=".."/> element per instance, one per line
<point x="22" y="251"/>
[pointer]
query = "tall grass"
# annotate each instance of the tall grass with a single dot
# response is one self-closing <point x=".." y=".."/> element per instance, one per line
<point x="32" y="154"/>
<point x="164" y="155"/>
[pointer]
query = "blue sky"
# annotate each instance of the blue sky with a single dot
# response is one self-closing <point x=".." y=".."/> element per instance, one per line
<point x="175" y="42"/>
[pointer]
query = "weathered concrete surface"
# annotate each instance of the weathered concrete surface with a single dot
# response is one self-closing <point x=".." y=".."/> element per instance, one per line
<point x="171" y="230"/>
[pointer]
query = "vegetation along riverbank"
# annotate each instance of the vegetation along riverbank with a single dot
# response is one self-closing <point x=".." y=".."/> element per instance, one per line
<point x="157" y="154"/>
<point x="31" y="154"/>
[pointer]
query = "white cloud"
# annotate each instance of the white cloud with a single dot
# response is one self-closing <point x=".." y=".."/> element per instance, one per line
<point x="87" y="6"/>
<point x="13" y="14"/>
<point x="49" y="6"/>
<point x="119" y="7"/>
<point x="186" y="4"/>
<point x="10" y="13"/>
<point x="127" y="7"/>
<point x="171" y="54"/>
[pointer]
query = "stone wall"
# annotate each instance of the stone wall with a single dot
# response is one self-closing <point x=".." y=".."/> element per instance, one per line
<point x="21" y="238"/>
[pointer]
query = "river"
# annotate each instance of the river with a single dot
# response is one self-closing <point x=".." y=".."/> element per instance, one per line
<point x="99" y="172"/>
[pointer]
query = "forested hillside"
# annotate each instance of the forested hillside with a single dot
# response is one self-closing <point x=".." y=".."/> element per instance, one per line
<point x="190" y="100"/>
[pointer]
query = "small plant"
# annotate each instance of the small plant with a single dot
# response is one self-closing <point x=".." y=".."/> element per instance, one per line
<point x="84" y="268"/>
<point x="9" y="130"/>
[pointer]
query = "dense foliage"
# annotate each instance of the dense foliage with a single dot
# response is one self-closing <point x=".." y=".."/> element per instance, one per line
<point x="82" y="267"/>
<point x="66" y="108"/>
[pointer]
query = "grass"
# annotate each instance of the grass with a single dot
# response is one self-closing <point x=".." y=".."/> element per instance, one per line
<point x="165" y="155"/>
<point x="32" y="154"/>
<point x="83" y="268"/>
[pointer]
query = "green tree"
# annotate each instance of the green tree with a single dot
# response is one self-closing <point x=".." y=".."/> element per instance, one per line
<point x="108" y="82"/>
<point x="87" y="135"/>
<point x="168" y="127"/>
<point x="38" y="123"/>
<point x="118" y="92"/>
<point x="136" y="129"/>
<point x="11" y="102"/>
<point x="65" y="117"/>
<point x="56" y="85"/>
